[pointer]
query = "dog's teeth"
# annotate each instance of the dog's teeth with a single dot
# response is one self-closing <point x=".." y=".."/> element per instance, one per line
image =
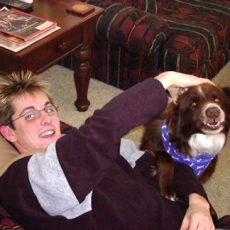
<point x="214" y="125"/>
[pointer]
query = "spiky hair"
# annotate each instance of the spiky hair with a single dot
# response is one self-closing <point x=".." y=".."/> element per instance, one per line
<point x="14" y="85"/>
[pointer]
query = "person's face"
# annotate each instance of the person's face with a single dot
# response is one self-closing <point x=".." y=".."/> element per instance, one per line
<point x="29" y="134"/>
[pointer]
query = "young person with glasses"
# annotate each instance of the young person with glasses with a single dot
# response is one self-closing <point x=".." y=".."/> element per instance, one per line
<point x="87" y="179"/>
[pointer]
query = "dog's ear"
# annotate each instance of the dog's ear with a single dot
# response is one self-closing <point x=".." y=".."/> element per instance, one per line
<point x="226" y="91"/>
<point x="175" y="93"/>
<point x="227" y="95"/>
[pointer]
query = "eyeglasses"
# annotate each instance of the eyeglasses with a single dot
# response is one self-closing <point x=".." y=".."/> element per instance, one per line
<point x="35" y="113"/>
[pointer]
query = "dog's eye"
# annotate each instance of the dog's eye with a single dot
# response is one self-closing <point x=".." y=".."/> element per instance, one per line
<point x="194" y="104"/>
<point x="216" y="99"/>
<point x="194" y="101"/>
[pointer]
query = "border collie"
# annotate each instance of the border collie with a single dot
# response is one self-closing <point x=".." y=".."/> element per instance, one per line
<point x="191" y="131"/>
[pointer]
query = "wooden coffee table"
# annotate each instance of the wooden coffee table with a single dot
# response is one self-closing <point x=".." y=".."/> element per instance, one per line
<point x="75" y="36"/>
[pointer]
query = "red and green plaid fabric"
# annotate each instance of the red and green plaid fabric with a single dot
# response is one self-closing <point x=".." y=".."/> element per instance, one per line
<point x="7" y="222"/>
<point x="190" y="36"/>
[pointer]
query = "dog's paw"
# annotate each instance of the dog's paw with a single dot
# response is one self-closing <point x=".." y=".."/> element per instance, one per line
<point x="171" y="197"/>
<point x="168" y="193"/>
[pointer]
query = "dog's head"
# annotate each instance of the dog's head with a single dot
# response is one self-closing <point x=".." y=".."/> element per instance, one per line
<point x="201" y="113"/>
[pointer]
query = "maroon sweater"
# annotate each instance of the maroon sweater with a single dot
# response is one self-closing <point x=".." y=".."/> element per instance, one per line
<point x="119" y="196"/>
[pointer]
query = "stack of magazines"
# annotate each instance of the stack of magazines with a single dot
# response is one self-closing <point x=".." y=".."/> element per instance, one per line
<point x="19" y="29"/>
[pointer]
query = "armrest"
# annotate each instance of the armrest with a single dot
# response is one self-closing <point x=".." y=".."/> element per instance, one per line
<point x="137" y="31"/>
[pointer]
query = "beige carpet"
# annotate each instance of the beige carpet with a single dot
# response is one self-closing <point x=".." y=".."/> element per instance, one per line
<point x="62" y="86"/>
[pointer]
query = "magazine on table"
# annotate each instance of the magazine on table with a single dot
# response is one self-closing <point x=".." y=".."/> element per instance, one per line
<point x="16" y="44"/>
<point x="10" y="40"/>
<point x="23" y="25"/>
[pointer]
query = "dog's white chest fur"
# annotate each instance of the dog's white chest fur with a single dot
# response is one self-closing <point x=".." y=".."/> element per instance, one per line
<point x="203" y="143"/>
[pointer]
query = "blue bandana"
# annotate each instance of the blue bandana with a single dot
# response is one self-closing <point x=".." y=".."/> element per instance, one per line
<point x="198" y="164"/>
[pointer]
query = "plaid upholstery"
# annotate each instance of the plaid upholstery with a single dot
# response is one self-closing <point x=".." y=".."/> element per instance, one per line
<point x="136" y="39"/>
<point x="7" y="222"/>
<point x="199" y="41"/>
<point x="131" y="40"/>
<point x="127" y="44"/>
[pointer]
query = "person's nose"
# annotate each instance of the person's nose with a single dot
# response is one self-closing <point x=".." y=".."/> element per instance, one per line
<point x="45" y="118"/>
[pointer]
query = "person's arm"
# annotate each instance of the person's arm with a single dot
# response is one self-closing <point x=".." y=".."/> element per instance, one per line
<point x="77" y="162"/>
<point x="97" y="142"/>
<point x="191" y="191"/>
<point x="85" y="155"/>
<point x="100" y="136"/>
<point x="186" y="182"/>
<point x="197" y="216"/>
<point x="171" y="79"/>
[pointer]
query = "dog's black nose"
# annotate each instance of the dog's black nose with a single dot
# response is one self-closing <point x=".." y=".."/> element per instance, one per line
<point x="212" y="112"/>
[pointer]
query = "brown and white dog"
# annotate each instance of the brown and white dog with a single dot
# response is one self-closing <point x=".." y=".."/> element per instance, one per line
<point x="192" y="131"/>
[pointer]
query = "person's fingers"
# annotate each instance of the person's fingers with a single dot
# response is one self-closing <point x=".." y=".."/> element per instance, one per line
<point x="176" y="79"/>
<point x="185" y="224"/>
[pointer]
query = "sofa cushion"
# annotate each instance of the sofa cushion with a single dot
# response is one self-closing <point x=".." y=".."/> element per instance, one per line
<point x="137" y="31"/>
<point x="127" y="45"/>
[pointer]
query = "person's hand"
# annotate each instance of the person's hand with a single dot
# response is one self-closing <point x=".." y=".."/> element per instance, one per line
<point x="174" y="82"/>
<point x="197" y="216"/>
<point x="180" y="80"/>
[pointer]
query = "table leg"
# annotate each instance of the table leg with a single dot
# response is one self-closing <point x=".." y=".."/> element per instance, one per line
<point x="82" y="77"/>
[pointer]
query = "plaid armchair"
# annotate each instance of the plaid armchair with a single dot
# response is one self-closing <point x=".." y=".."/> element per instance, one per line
<point x="136" y="39"/>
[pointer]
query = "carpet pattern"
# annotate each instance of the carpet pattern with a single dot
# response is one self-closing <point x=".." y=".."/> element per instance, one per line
<point x="64" y="94"/>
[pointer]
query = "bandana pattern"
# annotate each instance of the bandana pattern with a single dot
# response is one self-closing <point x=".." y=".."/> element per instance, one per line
<point x="198" y="164"/>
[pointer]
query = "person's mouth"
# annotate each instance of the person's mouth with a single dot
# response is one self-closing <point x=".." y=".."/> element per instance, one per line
<point x="47" y="133"/>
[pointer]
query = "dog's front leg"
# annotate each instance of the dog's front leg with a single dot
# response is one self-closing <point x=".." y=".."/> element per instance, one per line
<point x="165" y="173"/>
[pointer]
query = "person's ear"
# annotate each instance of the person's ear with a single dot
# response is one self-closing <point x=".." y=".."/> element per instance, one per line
<point x="8" y="133"/>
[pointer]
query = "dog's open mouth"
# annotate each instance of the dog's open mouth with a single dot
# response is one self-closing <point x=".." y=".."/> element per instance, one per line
<point x="213" y="119"/>
<point x="211" y="126"/>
